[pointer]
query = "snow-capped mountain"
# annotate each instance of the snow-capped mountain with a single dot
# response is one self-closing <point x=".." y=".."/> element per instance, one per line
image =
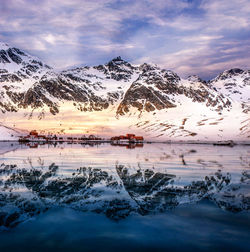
<point x="118" y="96"/>
<point x="19" y="72"/>
<point x="234" y="84"/>
<point x="157" y="89"/>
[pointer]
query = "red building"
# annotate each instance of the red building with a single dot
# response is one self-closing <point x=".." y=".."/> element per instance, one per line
<point x="34" y="136"/>
<point x="33" y="133"/>
<point x="128" y="137"/>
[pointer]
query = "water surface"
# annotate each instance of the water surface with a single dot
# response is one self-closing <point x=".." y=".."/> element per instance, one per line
<point x="107" y="198"/>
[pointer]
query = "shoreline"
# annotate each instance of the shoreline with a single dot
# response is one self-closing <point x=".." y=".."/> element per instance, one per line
<point x="215" y="143"/>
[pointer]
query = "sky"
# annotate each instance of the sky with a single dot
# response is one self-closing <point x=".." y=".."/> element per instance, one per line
<point x="203" y="37"/>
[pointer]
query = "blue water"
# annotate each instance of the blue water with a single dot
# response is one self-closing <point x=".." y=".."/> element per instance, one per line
<point x="120" y="207"/>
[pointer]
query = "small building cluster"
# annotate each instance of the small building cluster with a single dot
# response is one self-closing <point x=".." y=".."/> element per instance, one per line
<point x="127" y="138"/>
<point x="35" y="137"/>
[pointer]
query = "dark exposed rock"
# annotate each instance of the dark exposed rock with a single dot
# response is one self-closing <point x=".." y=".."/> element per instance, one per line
<point x="13" y="55"/>
<point x="4" y="57"/>
<point x="230" y="73"/>
<point x="136" y="93"/>
<point x="18" y="51"/>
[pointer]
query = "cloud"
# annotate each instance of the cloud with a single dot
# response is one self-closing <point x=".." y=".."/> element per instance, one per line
<point x="203" y="59"/>
<point x="172" y="33"/>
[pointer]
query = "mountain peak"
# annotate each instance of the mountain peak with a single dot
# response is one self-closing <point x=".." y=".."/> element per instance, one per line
<point x="117" y="61"/>
<point x="4" y="46"/>
<point x="145" y="67"/>
<point x="119" y="65"/>
<point x="195" y="78"/>
<point x="118" y="58"/>
<point x="235" y="71"/>
<point x="229" y="73"/>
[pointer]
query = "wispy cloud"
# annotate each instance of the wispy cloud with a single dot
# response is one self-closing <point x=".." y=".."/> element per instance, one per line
<point x="199" y="36"/>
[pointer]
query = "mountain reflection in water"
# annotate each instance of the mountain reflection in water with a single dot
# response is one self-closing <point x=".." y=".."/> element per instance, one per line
<point x="132" y="184"/>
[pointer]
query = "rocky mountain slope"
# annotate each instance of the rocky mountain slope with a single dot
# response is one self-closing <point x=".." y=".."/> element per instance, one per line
<point x="234" y="84"/>
<point x="117" y="96"/>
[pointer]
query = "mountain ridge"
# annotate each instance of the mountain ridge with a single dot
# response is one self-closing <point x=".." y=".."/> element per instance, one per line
<point x="34" y="91"/>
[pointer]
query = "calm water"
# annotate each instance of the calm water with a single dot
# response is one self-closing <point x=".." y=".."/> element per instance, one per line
<point x="72" y="197"/>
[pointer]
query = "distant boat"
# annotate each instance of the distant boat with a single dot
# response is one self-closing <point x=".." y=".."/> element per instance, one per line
<point x="225" y="143"/>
